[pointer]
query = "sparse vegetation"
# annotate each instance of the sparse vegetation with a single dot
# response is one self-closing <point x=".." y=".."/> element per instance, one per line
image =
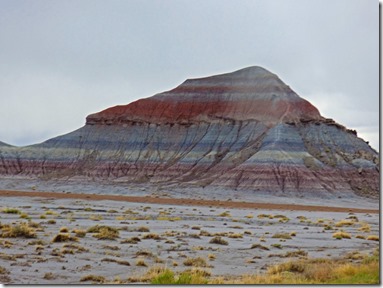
<point x="282" y="236"/>
<point x="296" y="253"/>
<point x="104" y="232"/>
<point x="24" y="216"/>
<point x="277" y="245"/>
<point x="365" y="228"/>
<point x="64" y="237"/>
<point x="235" y="235"/>
<point x="121" y="262"/>
<point x="340" y="235"/>
<point x="141" y="262"/>
<point x="11" y="211"/>
<point x="21" y="230"/>
<point x="196" y="262"/>
<point x="143" y="229"/>
<point x="64" y="230"/>
<point x="79" y="233"/>
<point x="153" y="236"/>
<point x="373" y="237"/>
<point x="282" y="218"/>
<point x="132" y="240"/>
<point x="360" y="237"/>
<point x="218" y="240"/>
<point x="49" y="276"/>
<point x="259" y="246"/>
<point x="262" y="216"/>
<point x="93" y="278"/>
<point x="344" y="222"/>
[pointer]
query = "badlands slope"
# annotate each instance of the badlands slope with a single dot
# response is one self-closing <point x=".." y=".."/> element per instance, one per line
<point x="240" y="131"/>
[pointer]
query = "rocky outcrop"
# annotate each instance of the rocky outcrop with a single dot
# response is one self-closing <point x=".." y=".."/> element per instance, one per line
<point x="241" y="130"/>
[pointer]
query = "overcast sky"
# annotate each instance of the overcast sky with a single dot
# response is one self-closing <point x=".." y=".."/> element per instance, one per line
<point x="62" y="60"/>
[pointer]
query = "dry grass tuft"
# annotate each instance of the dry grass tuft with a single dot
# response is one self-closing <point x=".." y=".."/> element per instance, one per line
<point x="340" y="235"/>
<point x="196" y="262"/>
<point x="121" y="262"/>
<point x="153" y="236"/>
<point x="235" y="235"/>
<point x="259" y="246"/>
<point x="64" y="230"/>
<point x="11" y="211"/>
<point x="225" y="214"/>
<point x="218" y="240"/>
<point x="344" y="222"/>
<point x="104" y="232"/>
<point x="360" y="237"/>
<point x="365" y="228"/>
<point x="142" y="229"/>
<point x="141" y="262"/>
<point x="282" y="236"/>
<point x="93" y="278"/>
<point x="296" y="253"/>
<point x="79" y="233"/>
<point x="262" y="216"/>
<point x="22" y="230"/>
<point x="132" y="240"/>
<point x="373" y="237"/>
<point x="64" y="237"/>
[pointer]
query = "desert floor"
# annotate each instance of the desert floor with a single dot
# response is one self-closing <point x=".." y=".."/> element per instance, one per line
<point x="121" y="238"/>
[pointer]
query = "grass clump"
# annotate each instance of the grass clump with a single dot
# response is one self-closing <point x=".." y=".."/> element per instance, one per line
<point x="282" y="218"/>
<point x="365" y="228"/>
<point x="121" y="262"/>
<point x="104" y="232"/>
<point x="22" y="230"/>
<point x="340" y="235"/>
<point x="141" y="262"/>
<point x="196" y="262"/>
<point x="190" y="277"/>
<point x="282" y="236"/>
<point x="93" y="278"/>
<point x="79" y="233"/>
<point x="314" y="271"/>
<point x="64" y="230"/>
<point x="296" y="253"/>
<point x="277" y="245"/>
<point x="153" y="236"/>
<point x="235" y="235"/>
<point x="262" y="216"/>
<point x="11" y="211"/>
<point x="132" y="240"/>
<point x="225" y="214"/>
<point x="345" y="222"/>
<point x="24" y="216"/>
<point x="360" y="237"/>
<point x="218" y="240"/>
<point x="143" y="229"/>
<point x="63" y="237"/>
<point x="259" y="246"/>
<point x="373" y="238"/>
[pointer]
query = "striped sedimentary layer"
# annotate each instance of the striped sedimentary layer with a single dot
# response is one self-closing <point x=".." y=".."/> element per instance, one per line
<point x="241" y="130"/>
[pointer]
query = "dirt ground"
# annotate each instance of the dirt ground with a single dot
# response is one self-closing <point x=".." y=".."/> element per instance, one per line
<point x="221" y="237"/>
<point x="183" y="202"/>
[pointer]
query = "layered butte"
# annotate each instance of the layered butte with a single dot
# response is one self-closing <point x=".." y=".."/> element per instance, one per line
<point x="244" y="130"/>
<point x="249" y="94"/>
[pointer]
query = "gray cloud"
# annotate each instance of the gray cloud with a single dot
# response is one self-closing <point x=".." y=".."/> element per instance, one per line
<point x="62" y="60"/>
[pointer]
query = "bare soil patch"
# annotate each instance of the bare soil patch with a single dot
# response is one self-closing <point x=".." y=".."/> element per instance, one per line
<point x="184" y="202"/>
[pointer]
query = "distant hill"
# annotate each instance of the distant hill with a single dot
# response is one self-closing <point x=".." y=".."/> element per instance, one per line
<point x="244" y="130"/>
